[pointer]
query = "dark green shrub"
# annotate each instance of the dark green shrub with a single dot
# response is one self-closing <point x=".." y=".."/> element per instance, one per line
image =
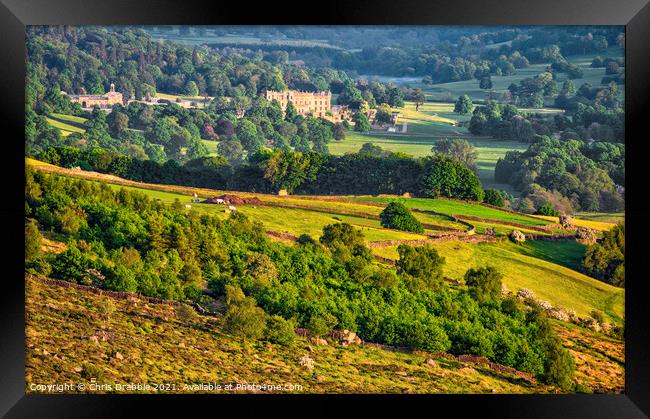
<point x="547" y="209"/>
<point x="279" y="330"/>
<point x="420" y="267"/>
<point x="493" y="197"/>
<point x="70" y="265"/>
<point x="484" y="283"/>
<point x="397" y="216"/>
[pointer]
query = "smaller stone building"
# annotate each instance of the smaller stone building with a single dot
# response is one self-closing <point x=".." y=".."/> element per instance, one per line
<point x="105" y="101"/>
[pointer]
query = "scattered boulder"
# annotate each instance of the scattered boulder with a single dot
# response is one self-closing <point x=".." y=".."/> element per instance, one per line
<point x="591" y="324"/>
<point x="318" y="341"/>
<point x="559" y="314"/>
<point x="94" y="339"/>
<point x="306" y="362"/>
<point x="348" y="338"/>
<point x="517" y="236"/>
<point x="430" y="362"/>
<point x="525" y="294"/>
<point x="585" y="235"/>
<point x="119" y="356"/>
<point x="566" y="222"/>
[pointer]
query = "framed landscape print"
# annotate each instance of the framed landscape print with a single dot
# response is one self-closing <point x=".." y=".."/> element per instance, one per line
<point x="393" y="201"/>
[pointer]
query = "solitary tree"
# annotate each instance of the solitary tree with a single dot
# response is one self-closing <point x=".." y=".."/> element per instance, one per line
<point x="418" y="98"/>
<point x="458" y="149"/>
<point x="486" y="83"/>
<point x="338" y="131"/>
<point x="243" y="318"/>
<point x="464" y="105"/>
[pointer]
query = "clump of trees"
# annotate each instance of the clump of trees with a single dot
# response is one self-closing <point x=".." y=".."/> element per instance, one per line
<point x="445" y="176"/>
<point x="605" y="259"/>
<point x="568" y="175"/>
<point x="397" y="216"/>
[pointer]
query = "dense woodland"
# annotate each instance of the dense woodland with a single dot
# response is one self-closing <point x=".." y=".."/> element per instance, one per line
<point x="437" y="54"/>
<point x="164" y="143"/>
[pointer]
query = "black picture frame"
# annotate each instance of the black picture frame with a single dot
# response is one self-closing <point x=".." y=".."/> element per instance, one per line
<point x="16" y="14"/>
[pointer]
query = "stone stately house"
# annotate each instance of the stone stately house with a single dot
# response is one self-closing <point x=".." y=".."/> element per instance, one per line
<point x="318" y="104"/>
<point x="105" y="101"/>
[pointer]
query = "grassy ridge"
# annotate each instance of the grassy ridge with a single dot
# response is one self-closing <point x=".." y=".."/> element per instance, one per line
<point x="290" y="220"/>
<point x="549" y="281"/>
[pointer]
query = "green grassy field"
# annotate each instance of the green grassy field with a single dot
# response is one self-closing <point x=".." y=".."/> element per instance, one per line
<point x="606" y="217"/>
<point x="449" y="207"/>
<point x="549" y="281"/>
<point x="543" y="267"/>
<point x="67" y="123"/>
<point x="211" y="146"/>
<point x="200" y="101"/>
<point x="431" y="123"/>
<point x="211" y="37"/>
<point x="565" y="253"/>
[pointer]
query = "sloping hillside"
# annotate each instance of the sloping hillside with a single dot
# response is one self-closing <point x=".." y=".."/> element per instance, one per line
<point x="69" y="340"/>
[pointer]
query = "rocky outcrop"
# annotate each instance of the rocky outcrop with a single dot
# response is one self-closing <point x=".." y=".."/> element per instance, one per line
<point x="346" y="337"/>
<point x="566" y="222"/>
<point x="585" y="235"/>
<point x="233" y="200"/>
<point x="306" y="362"/>
<point x="517" y="236"/>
